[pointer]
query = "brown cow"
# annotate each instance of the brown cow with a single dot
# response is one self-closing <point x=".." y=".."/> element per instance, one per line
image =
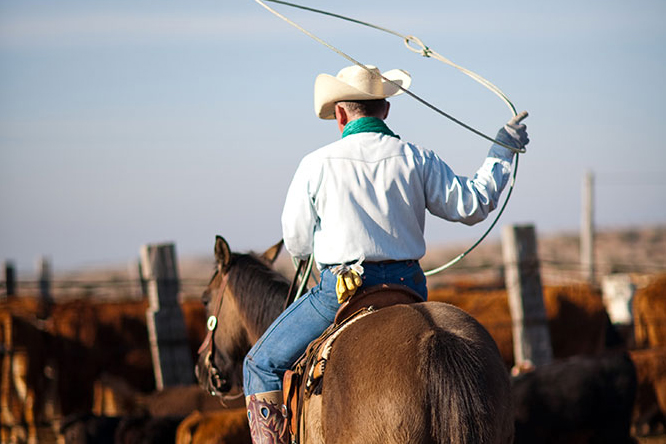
<point x="24" y="382"/>
<point x="117" y="333"/>
<point x="221" y="427"/>
<point x="576" y="317"/>
<point x="114" y="397"/>
<point x="115" y="330"/>
<point x="135" y="429"/>
<point x="649" y="308"/>
<point x="650" y="408"/>
<point x="82" y="339"/>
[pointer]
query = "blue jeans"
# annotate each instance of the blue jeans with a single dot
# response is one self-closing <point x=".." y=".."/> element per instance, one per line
<point x="304" y="320"/>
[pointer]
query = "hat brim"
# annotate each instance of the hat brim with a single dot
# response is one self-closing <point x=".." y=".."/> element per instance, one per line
<point x="329" y="90"/>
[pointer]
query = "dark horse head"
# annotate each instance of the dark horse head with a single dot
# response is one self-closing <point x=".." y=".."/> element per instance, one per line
<point x="243" y="297"/>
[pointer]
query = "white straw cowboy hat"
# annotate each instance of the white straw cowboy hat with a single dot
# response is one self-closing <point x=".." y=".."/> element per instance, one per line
<point x="356" y="83"/>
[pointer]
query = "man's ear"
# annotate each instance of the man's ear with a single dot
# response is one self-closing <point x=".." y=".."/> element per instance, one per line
<point x="341" y="116"/>
<point x="386" y="112"/>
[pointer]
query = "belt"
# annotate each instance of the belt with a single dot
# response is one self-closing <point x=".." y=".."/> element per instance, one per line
<point x="390" y="261"/>
<point x="386" y="262"/>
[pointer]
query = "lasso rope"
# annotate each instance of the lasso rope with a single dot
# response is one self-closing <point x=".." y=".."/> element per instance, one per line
<point x="426" y="52"/>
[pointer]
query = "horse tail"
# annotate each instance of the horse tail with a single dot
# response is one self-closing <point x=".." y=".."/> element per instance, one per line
<point x="451" y="369"/>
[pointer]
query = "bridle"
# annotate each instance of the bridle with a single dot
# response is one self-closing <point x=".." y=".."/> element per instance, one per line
<point x="215" y="379"/>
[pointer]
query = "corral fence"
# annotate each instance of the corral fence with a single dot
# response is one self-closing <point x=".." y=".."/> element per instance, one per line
<point x="130" y="285"/>
<point x="515" y="258"/>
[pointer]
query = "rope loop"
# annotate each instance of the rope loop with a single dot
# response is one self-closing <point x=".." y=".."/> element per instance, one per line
<point x="424" y="50"/>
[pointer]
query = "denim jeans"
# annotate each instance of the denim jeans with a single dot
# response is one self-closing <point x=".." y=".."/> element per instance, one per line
<point x="304" y="320"/>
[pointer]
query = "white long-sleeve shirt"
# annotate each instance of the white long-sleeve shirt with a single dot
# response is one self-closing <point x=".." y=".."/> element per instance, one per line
<point x="365" y="196"/>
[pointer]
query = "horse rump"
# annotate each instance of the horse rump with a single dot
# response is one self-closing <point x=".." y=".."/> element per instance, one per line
<point x="430" y="374"/>
<point x="462" y="394"/>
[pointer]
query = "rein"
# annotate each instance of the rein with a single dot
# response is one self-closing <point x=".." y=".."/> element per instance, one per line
<point x="425" y="52"/>
<point x="303" y="270"/>
<point x="291" y="294"/>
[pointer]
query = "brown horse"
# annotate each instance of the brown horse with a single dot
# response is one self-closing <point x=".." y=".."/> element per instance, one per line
<point x="418" y="373"/>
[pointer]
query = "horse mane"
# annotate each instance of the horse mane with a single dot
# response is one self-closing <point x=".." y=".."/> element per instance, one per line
<point x="260" y="291"/>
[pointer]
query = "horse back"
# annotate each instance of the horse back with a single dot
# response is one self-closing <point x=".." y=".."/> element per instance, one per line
<point x="418" y="373"/>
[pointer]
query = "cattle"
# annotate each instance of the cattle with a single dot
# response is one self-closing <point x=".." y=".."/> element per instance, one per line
<point x="110" y="338"/>
<point x="141" y="429"/>
<point x="583" y="399"/>
<point x="147" y="429"/>
<point x="26" y="379"/>
<point x="220" y="427"/>
<point x="566" y="306"/>
<point x="116" y="330"/>
<point x="50" y="366"/>
<point x="113" y="396"/>
<point x="649" y="307"/>
<point x="86" y="428"/>
<point x="650" y="409"/>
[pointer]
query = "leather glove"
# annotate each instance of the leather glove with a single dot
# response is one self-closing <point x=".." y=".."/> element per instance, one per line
<point x="514" y="133"/>
<point x="348" y="282"/>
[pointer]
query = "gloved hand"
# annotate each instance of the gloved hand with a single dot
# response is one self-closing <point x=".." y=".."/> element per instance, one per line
<point x="346" y="285"/>
<point x="514" y="133"/>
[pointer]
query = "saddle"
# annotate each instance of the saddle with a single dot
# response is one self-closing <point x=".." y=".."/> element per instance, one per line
<point x="306" y="377"/>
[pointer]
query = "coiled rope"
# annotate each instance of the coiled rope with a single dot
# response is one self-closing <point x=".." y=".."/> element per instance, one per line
<point x="425" y="51"/>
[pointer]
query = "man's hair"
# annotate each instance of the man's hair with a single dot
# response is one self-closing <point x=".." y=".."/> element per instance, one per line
<point x="372" y="108"/>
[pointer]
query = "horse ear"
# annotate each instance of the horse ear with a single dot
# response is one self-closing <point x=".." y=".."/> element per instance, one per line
<point x="222" y="252"/>
<point x="272" y="253"/>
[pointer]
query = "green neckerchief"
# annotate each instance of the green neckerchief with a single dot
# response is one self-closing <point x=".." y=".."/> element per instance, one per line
<point x="367" y="125"/>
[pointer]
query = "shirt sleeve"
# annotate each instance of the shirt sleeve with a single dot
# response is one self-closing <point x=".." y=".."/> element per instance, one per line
<point x="461" y="199"/>
<point x="299" y="218"/>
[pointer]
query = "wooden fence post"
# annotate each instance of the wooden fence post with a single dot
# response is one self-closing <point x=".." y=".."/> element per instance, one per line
<point x="143" y="284"/>
<point x="10" y="279"/>
<point x="45" y="296"/>
<point x="44" y="270"/>
<point x="172" y="360"/>
<point x="587" y="229"/>
<point x="531" y="336"/>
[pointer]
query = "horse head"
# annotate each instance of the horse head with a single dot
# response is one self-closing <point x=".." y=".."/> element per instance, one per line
<point x="243" y="296"/>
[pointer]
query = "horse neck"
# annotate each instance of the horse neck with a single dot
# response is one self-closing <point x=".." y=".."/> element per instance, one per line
<point x="260" y="293"/>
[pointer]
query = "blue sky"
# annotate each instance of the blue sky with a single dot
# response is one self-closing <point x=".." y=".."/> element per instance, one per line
<point x="124" y="123"/>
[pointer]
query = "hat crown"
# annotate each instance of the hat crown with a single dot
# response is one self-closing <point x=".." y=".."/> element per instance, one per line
<point x="356" y="83"/>
<point x="367" y="80"/>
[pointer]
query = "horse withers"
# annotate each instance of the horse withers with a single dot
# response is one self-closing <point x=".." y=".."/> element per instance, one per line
<point x="418" y="373"/>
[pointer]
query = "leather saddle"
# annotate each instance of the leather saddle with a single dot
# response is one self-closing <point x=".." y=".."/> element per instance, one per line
<point x="306" y="375"/>
<point x="377" y="296"/>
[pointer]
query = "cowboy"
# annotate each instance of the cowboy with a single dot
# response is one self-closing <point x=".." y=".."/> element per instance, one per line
<point x="358" y="204"/>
